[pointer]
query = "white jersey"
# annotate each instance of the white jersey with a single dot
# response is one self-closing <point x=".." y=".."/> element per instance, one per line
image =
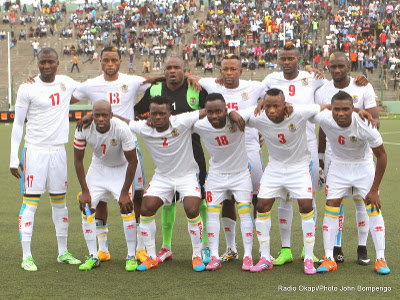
<point x="47" y="107"/>
<point x="363" y="97"/>
<point x="171" y="150"/>
<point x="120" y="93"/>
<point x="226" y="147"/>
<point x="109" y="147"/>
<point x="242" y="97"/>
<point x="352" y="144"/>
<point x="286" y="141"/>
<point x="297" y="91"/>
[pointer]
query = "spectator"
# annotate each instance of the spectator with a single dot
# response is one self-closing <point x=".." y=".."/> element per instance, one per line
<point x="75" y="63"/>
<point x="208" y="67"/>
<point x="146" y="66"/>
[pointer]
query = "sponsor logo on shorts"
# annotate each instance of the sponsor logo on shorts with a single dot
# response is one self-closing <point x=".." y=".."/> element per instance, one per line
<point x="227" y="229"/>
<point x="193" y="101"/>
<point x="378" y="229"/>
<point x="325" y="228"/>
<point x="197" y="189"/>
<point x="27" y="224"/>
<point x="66" y="184"/>
<point x="249" y="234"/>
<point x="353" y="139"/>
<point x="309" y="234"/>
<point x="292" y="127"/>
<point x="282" y="221"/>
<point x="124" y="88"/>
<point x="65" y="220"/>
<point x="174" y="133"/>
<point x="355" y="99"/>
<point x="113" y="142"/>
<point x="245" y="96"/>
<point x="309" y="189"/>
<point x="140" y="179"/>
<point x="63" y="88"/>
<point x="192" y="232"/>
<point x="144" y="233"/>
<point x="304" y="82"/>
<point x="132" y="226"/>
<point x="361" y="224"/>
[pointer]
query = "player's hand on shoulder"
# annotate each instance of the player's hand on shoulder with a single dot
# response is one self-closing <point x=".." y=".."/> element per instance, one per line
<point x="364" y="115"/>
<point x="317" y="73"/>
<point x="84" y="199"/>
<point x="373" y="198"/>
<point x="361" y="80"/>
<point x="288" y="109"/>
<point x="219" y="80"/>
<point x="30" y="79"/>
<point x="125" y="203"/>
<point x="15" y="171"/>
<point x="193" y="81"/>
<point x="148" y="123"/>
<point x="237" y="119"/>
<point x="84" y="122"/>
<point x="151" y="80"/>
<point x="259" y="109"/>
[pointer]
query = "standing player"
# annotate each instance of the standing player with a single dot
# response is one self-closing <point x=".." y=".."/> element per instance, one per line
<point x="120" y="90"/>
<point x="228" y="176"/>
<point x="44" y="160"/>
<point x="288" y="171"/>
<point x="239" y="94"/>
<point x="352" y="173"/>
<point x="170" y="135"/>
<point x="184" y="99"/>
<point x="111" y="172"/>
<point x="363" y="97"/>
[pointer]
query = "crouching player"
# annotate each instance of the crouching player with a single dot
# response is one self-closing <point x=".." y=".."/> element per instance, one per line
<point x="351" y="172"/>
<point x="288" y="171"/>
<point x="228" y="176"/>
<point x="111" y="172"/>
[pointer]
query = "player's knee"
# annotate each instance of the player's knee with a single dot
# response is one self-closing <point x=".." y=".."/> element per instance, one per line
<point x="192" y="212"/>
<point x="305" y="206"/>
<point x="228" y="209"/>
<point x="334" y="202"/>
<point x="264" y="205"/>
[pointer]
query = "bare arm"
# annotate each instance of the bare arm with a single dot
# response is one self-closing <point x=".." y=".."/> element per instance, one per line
<point x="122" y="119"/>
<point x="73" y="100"/>
<point x="80" y="173"/>
<point x="16" y="137"/>
<point x="125" y="202"/>
<point x="381" y="161"/>
<point x="375" y="114"/>
<point x="202" y="113"/>
<point x="321" y="146"/>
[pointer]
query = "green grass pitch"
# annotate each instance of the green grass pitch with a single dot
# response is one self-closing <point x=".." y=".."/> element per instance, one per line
<point x="175" y="279"/>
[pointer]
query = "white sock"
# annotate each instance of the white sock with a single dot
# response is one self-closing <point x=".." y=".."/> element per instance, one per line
<point x="247" y="227"/>
<point x="213" y="228"/>
<point x="285" y="216"/>
<point x="263" y="227"/>
<point x="314" y="205"/>
<point x="89" y="232"/>
<point x="362" y="222"/>
<point x="377" y="229"/>
<point x="139" y="239"/>
<point x="102" y="233"/>
<point x="195" y="229"/>
<point x="230" y="233"/>
<point x="129" y="223"/>
<point x="338" y="239"/>
<point x="148" y="231"/>
<point x="308" y="227"/>
<point x="26" y="220"/>
<point x="330" y="228"/>
<point x="60" y="220"/>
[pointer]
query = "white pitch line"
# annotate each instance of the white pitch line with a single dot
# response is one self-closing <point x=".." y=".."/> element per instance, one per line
<point x="390" y="132"/>
<point x="390" y="143"/>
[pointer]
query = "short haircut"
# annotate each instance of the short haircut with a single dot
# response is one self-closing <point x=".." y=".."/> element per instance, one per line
<point x="231" y="56"/>
<point x="160" y="100"/>
<point x="275" y="92"/>
<point x="110" y="49"/>
<point x="215" y="96"/>
<point x="289" y="46"/>
<point x="341" y="96"/>
<point x="339" y="54"/>
<point x="48" y="50"/>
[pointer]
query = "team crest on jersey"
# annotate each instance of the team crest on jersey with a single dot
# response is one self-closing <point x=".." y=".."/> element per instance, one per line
<point x="175" y="133"/>
<point x="62" y="86"/>
<point x="292" y="127"/>
<point x="124" y="88"/>
<point x="353" y="139"/>
<point x="113" y="142"/>
<point x="193" y="101"/>
<point x="231" y="130"/>
<point x="355" y="99"/>
<point x="245" y="96"/>
<point x="304" y="81"/>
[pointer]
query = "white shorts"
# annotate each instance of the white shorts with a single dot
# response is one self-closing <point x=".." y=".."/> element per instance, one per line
<point x="140" y="180"/>
<point x="165" y="187"/>
<point x="345" y="180"/>
<point x="222" y="186"/>
<point x="44" y="169"/>
<point x="104" y="182"/>
<point x="278" y="181"/>
<point x="256" y="167"/>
